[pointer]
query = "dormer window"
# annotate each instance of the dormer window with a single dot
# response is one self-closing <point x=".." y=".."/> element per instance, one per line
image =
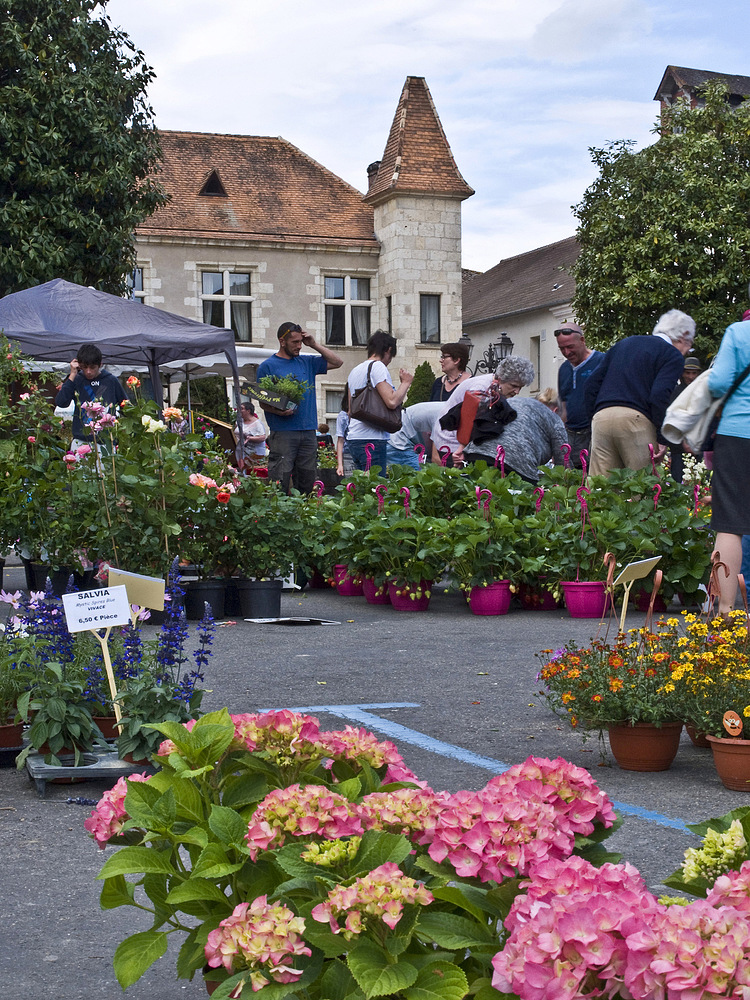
<point x="213" y="186"/>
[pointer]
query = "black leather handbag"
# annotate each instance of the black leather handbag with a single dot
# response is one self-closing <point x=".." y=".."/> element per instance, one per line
<point x="367" y="405"/>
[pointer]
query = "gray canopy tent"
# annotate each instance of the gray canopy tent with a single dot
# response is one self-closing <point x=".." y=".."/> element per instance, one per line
<point x="51" y="321"/>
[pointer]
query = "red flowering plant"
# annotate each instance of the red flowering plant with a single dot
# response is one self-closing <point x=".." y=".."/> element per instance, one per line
<point x="606" y="684"/>
<point x="303" y="862"/>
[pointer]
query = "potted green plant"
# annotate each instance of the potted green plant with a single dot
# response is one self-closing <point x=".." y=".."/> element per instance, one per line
<point x="264" y="543"/>
<point x="409" y="553"/>
<point x="281" y="392"/>
<point x="60" y="719"/>
<point x="623" y="687"/>
<point x="485" y="561"/>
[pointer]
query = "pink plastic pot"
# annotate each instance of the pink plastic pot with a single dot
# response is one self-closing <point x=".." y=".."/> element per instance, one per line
<point x="403" y="595"/>
<point x="491" y="599"/>
<point x="584" y="599"/>
<point x="375" y="594"/>
<point x="346" y="585"/>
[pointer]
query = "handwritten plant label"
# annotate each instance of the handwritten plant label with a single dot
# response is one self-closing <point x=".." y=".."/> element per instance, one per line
<point x="93" y="609"/>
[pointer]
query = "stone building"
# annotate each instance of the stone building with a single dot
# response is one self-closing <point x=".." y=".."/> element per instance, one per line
<point x="256" y="233"/>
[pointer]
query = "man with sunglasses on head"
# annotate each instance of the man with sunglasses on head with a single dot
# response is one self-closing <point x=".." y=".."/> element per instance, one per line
<point x="579" y="364"/>
<point x="293" y="449"/>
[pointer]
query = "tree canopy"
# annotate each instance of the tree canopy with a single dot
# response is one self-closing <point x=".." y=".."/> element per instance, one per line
<point x="669" y="226"/>
<point x="78" y="147"/>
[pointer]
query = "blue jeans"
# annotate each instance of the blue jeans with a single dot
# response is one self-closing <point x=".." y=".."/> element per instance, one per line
<point x="398" y="456"/>
<point x="359" y="456"/>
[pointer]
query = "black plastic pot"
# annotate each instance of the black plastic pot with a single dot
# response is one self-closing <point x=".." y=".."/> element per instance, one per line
<point x="36" y="574"/>
<point x="200" y="592"/>
<point x="260" y="598"/>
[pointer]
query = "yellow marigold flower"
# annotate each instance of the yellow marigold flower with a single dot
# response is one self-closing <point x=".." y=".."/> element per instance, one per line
<point x="746" y="711"/>
<point x="567" y="697"/>
<point x="615" y="684"/>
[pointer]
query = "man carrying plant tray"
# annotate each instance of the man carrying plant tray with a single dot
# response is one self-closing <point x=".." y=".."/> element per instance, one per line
<point x="292" y="446"/>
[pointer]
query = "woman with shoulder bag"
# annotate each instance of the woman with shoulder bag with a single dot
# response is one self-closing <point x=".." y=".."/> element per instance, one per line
<point x="372" y="375"/>
<point x="730" y="484"/>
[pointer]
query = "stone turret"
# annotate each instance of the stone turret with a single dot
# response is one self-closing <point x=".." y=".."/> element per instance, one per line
<point x="416" y="192"/>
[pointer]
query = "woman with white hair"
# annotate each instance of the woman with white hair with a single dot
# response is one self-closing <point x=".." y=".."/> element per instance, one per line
<point x="511" y="375"/>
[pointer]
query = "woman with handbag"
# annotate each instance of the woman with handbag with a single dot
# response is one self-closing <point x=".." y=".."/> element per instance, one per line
<point x="730" y="484"/>
<point x="374" y="403"/>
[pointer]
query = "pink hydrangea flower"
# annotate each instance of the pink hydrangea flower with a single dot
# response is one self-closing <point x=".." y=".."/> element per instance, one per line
<point x="286" y="737"/>
<point x="413" y="812"/>
<point x="353" y="744"/>
<point x="568" y="933"/>
<point x="262" y="937"/>
<point x="519" y="819"/>
<point x="380" y="895"/>
<point x="732" y="889"/>
<point x="301" y="811"/>
<point x="109" y="815"/>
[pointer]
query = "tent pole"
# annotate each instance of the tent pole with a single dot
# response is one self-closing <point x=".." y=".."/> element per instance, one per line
<point x="153" y="369"/>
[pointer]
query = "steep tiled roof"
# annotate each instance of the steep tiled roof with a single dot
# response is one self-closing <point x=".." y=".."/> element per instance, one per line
<point x="417" y="157"/>
<point x="538" y="279"/>
<point x="682" y="78"/>
<point x="274" y="192"/>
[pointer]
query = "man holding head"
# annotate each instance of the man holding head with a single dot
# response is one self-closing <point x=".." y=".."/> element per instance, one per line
<point x="629" y="392"/>
<point x="87" y="383"/>
<point x="579" y="364"/>
<point x="292" y="441"/>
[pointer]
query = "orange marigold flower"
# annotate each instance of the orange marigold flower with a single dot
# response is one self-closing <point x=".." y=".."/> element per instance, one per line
<point x="597" y="697"/>
<point x="615" y="660"/>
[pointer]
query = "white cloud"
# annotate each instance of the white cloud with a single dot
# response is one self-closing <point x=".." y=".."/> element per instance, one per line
<point x="585" y="29"/>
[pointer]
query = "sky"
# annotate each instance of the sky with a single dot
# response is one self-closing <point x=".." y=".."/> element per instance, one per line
<point x="523" y="88"/>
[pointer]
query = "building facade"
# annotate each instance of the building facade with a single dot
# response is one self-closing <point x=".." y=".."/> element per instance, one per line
<point x="257" y="233"/>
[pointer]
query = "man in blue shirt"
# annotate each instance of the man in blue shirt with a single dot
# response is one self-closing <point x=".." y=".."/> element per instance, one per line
<point x="292" y="445"/>
<point x="580" y="362"/>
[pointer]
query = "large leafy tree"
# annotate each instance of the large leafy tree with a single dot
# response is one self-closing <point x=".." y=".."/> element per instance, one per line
<point x="78" y="148"/>
<point x="669" y="226"/>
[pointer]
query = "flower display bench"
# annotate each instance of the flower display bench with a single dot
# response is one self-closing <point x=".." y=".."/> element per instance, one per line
<point x="101" y="764"/>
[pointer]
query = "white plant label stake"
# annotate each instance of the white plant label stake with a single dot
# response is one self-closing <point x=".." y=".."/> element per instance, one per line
<point x="94" y="610"/>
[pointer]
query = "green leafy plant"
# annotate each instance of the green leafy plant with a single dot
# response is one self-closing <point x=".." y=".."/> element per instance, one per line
<point x="287" y="385"/>
<point x="60" y="718"/>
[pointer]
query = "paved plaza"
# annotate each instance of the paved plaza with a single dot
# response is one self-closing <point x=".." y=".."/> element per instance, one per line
<point x="455" y="692"/>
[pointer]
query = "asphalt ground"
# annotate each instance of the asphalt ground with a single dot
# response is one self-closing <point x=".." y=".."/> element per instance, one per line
<point x="455" y="692"/>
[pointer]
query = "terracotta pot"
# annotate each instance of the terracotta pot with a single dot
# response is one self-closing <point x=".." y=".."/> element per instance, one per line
<point x="491" y="599"/>
<point x="536" y="598"/>
<point x="346" y="585"/>
<point x="696" y="738"/>
<point x="11" y="735"/>
<point x="403" y="595"/>
<point x="643" y="746"/>
<point x="107" y="726"/>
<point x="732" y="762"/>
<point x="585" y="598"/>
<point x="373" y="593"/>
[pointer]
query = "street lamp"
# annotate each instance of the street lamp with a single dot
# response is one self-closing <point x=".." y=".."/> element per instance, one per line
<point x="495" y="353"/>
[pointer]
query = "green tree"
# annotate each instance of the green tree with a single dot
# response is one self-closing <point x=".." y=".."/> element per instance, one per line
<point x="78" y="147"/>
<point x="421" y="386"/>
<point x="668" y="226"/>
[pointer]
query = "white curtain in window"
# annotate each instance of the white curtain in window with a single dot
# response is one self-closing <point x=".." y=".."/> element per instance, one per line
<point x="360" y="325"/>
<point x="430" y="310"/>
<point x="241" y="320"/>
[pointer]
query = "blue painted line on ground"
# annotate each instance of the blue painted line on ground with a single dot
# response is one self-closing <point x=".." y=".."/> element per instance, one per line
<point x="362" y="714"/>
